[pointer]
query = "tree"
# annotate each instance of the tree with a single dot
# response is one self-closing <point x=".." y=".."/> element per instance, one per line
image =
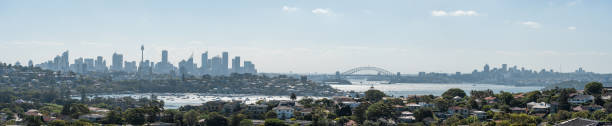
<point x="191" y="117"/>
<point x="450" y="93"/>
<point x="374" y="95"/>
<point x="236" y="119"/>
<point x="135" y="116"/>
<point x="293" y="96"/>
<point x="271" y="114"/>
<point x="379" y="110"/>
<point x="598" y="115"/>
<point x="215" y="119"/>
<point x="423" y="113"/>
<point x="593" y="88"/>
<point x="344" y="110"/>
<point x="563" y="103"/>
<point x="274" y="122"/>
<point x="58" y="123"/>
<point x="360" y="112"/>
<point x="113" y="117"/>
<point x="33" y="120"/>
<point x="246" y="122"/>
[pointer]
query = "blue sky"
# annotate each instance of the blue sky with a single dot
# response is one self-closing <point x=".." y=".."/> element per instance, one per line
<point x="319" y="35"/>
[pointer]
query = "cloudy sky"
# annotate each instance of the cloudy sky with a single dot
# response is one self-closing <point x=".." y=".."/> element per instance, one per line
<point x="308" y="36"/>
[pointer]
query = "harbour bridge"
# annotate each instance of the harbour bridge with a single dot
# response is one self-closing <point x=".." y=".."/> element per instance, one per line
<point x="354" y="71"/>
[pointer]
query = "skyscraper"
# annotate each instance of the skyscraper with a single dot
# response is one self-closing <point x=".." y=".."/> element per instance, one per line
<point x="100" y="64"/>
<point x="64" y="63"/>
<point x="504" y="67"/>
<point x="216" y="66"/>
<point x="225" y="62"/>
<point x="164" y="56"/>
<point x="205" y="65"/>
<point x="486" y="68"/>
<point x="236" y="65"/>
<point x="117" y="62"/>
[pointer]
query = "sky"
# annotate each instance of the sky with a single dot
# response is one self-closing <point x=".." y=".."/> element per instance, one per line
<point x="318" y="36"/>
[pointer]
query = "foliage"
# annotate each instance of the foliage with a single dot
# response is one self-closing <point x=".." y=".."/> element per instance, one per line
<point x="374" y="95"/>
<point x="215" y="119"/>
<point x="450" y="93"/>
<point x="593" y="88"/>
<point x="379" y="110"/>
<point x="274" y="122"/>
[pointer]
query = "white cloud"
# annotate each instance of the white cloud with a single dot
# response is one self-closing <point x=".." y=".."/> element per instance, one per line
<point x="289" y="9"/>
<point x="454" y="13"/>
<point x="571" y="28"/>
<point x="321" y="11"/>
<point x="531" y="24"/>
<point x="438" y="13"/>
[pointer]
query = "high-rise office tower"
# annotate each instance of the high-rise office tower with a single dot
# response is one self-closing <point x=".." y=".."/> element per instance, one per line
<point x="225" y="62"/>
<point x="249" y="67"/>
<point x="64" y="63"/>
<point x="100" y="64"/>
<point x="504" y="67"/>
<point x="117" y="62"/>
<point x="164" y="56"/>
<point x="486" y="68"/>
<point x="205" y="66"/>
<point x="216" y="66"/>
<point x="236" y="65"/>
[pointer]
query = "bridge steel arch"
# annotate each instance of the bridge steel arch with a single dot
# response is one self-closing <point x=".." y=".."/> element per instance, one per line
<point x="381" y="71"/>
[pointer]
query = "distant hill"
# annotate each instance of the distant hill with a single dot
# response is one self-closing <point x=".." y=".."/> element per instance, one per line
<point x="578" y="85"/>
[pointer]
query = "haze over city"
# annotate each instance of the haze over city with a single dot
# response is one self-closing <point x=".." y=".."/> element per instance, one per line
<point x="318" y="36"/>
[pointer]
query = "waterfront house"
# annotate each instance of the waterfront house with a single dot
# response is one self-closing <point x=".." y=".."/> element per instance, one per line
<point x="92" y="117"/>
<point x="480" y="114"/>
<point x="580" y="98"/>
<point x="283" y="112"/>
<point x="541" y="107"/>
<point x="456" y="110"/>
<point x="406" y="117"/>
<point x="257" y="109"/>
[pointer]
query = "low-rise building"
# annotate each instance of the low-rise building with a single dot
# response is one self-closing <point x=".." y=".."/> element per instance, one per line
<point x="456" y="110"/>
<point x="580" y="98"/>
<point x="283" y="112"/>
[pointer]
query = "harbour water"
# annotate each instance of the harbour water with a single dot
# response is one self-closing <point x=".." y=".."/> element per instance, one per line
<point x="176" y="100"/>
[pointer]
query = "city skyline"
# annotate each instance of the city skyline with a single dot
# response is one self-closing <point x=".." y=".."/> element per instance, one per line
<point x="319" y="36"/>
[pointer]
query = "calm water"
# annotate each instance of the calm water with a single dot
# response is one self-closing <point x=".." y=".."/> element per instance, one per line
<point x="175" y="100"/>
<point x="403" y="89"/>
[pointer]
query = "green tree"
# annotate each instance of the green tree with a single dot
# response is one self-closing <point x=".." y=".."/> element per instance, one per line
<point x="423" y="113"/>
<point x="271" y="114"/>
<point x="593" y="88"/>
<point x="58" y="123"/>
<point x="293" y="96"/>
<point x="450" y="93"/>
<point x="581" y="114"/>
<point x="246" y="122"/>
<point x="113" y="117"/>
<point x="135" y="116"/>
<point x="598" y="115"/>
<point x="215" y="119"/>
<point x="274" y="122"/>
<point x="191" y="117"/>
<point x="374" y="95"/>
<point x="33" y="120"/>
<point x="360" y="112"/>
<point x="379" y="110"/>
<point x="236" y="119"/>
